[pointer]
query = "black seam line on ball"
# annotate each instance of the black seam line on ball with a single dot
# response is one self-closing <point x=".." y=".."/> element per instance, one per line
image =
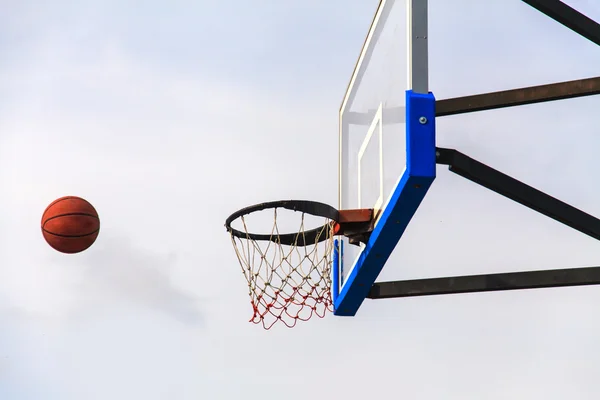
<point x="71" y="236"/>
<point x="70" y="215"/>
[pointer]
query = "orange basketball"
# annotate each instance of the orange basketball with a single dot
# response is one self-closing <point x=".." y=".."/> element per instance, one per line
<point x="70" y="224"/>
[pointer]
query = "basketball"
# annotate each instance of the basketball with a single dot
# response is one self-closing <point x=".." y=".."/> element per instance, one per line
<point x="70" y="224"/>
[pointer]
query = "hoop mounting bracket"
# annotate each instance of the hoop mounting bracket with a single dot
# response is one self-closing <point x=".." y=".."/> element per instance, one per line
<point x="356" y="225"/>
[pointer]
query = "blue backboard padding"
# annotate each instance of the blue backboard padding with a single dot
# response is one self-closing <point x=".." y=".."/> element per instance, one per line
<point x="405" y="200"/>
<point x="335" y="274"/>
<point x="420" y="137"/>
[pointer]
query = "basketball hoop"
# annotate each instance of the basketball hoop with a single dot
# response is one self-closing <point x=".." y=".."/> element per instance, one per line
<point x="289" y="274"/>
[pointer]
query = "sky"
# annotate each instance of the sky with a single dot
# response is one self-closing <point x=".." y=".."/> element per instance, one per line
<point x="169" y="117"/>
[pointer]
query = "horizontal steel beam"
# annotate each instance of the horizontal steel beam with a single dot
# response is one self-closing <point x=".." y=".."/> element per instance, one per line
<point x="488" y="101"/>
<point x="487" y="283"/>
<point x="518" y="97"/>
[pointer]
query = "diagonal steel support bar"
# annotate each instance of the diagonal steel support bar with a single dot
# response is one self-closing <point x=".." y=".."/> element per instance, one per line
<point x="518" y="191"/>
<point x="569" y="17"/>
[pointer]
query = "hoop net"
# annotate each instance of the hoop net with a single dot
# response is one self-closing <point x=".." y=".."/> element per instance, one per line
<point x="287" y="283"/>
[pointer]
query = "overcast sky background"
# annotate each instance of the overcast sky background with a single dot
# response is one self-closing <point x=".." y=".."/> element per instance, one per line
<point x="170" y="117"/>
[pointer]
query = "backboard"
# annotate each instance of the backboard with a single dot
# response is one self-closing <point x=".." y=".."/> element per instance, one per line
<point x="387" y="133"/>
<point x="386" y="143"/>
